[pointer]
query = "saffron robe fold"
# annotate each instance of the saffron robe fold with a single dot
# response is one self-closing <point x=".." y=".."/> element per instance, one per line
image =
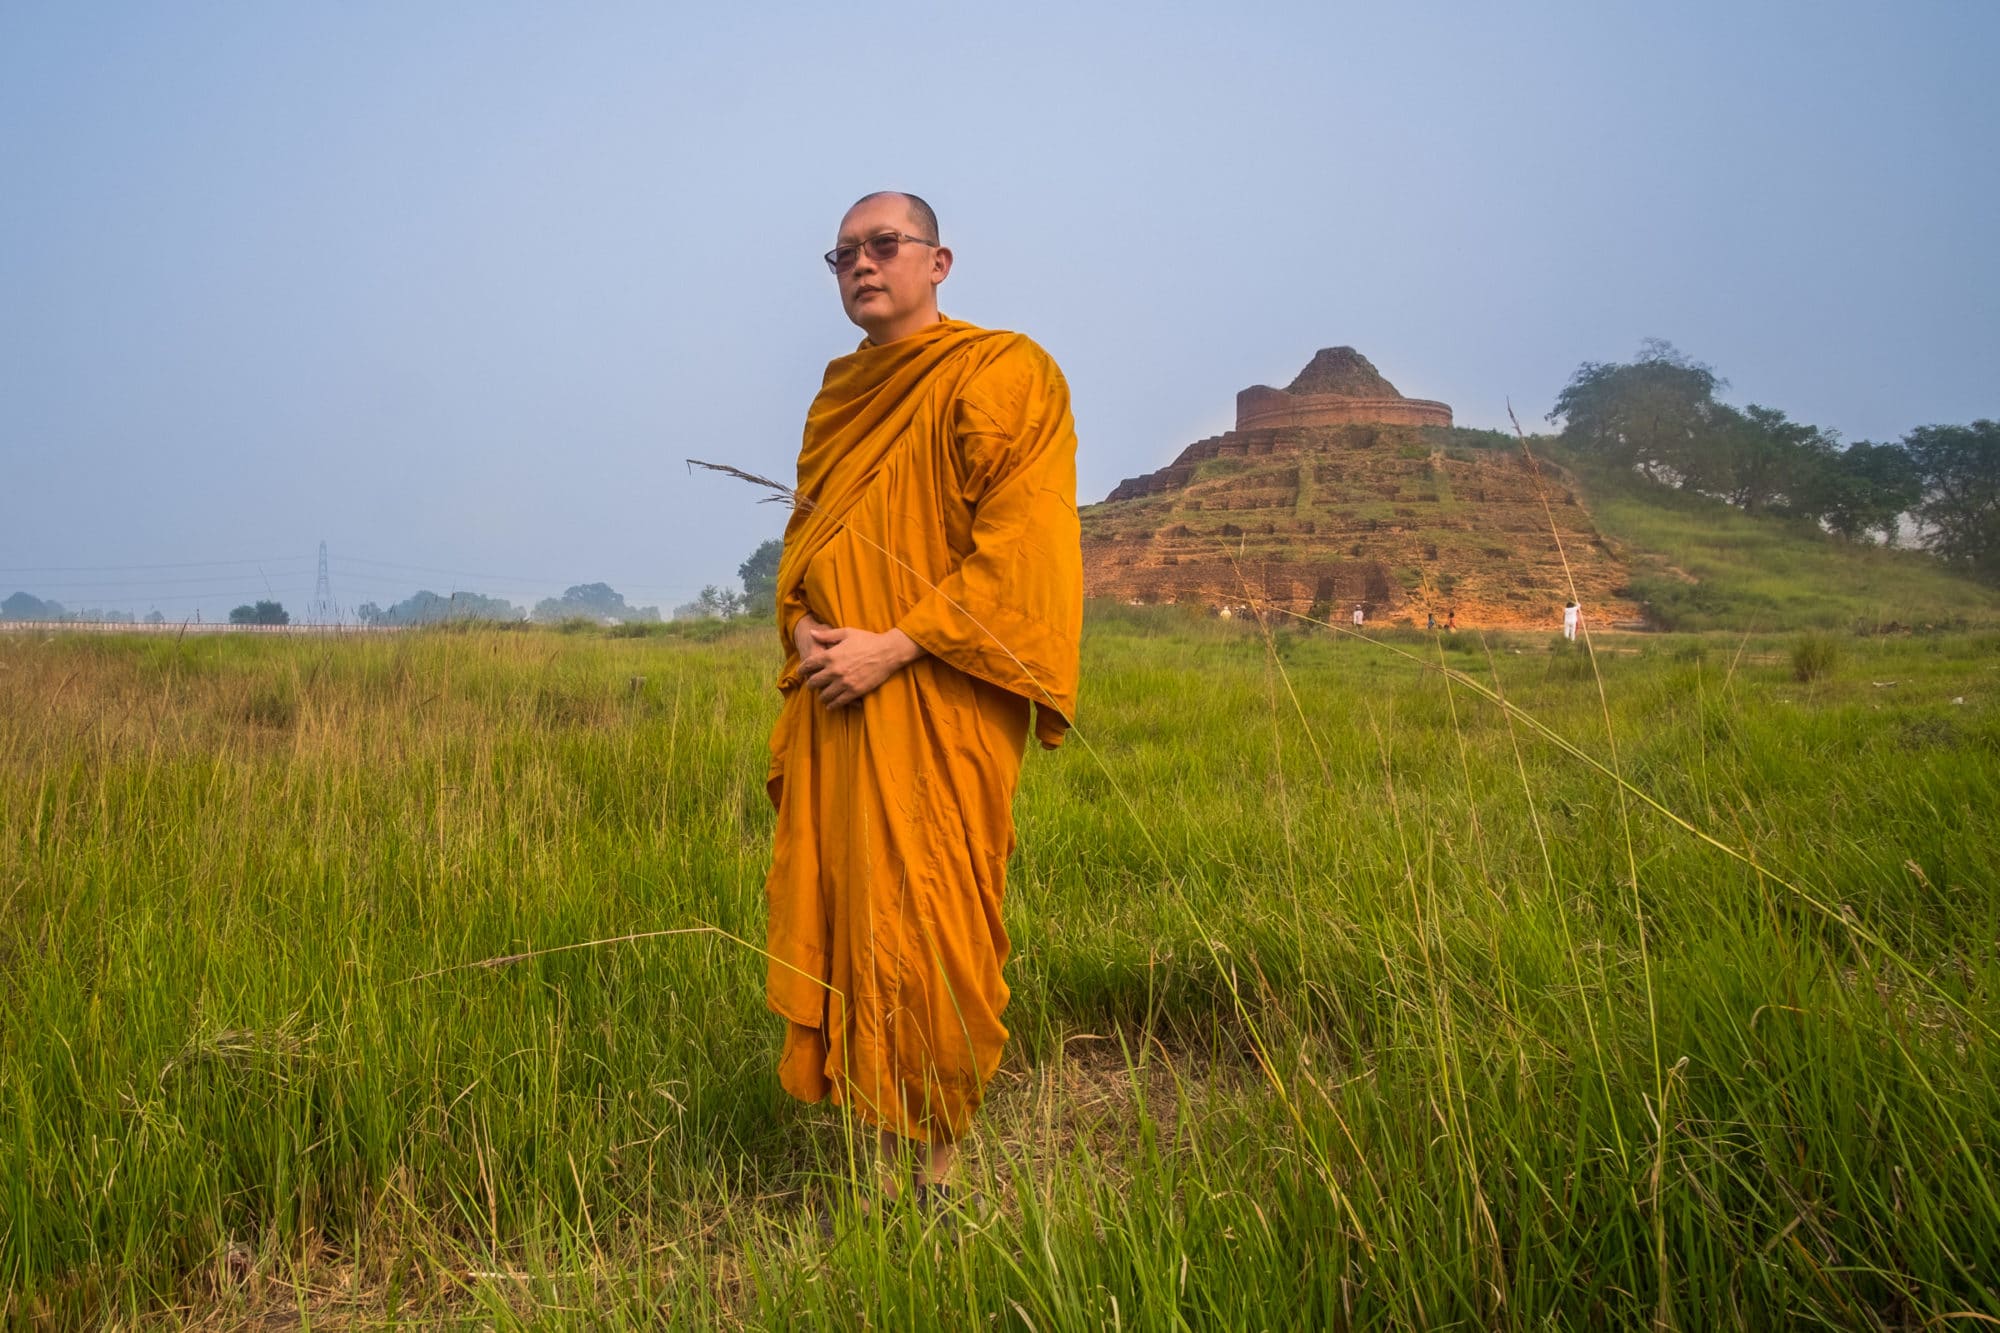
<point x="936" y="494"/>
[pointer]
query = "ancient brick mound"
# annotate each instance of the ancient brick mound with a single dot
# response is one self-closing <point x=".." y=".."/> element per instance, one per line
<point x="1338" y="387"/>
<point x="1342" y="372"/>
<point x="1404" y="518"/>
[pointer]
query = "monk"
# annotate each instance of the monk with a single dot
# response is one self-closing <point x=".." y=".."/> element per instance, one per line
<point x="929" y="606"/>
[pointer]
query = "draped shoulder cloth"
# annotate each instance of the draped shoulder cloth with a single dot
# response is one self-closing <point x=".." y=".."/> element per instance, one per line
<point x="984" y="414"/>
<point x="936" y="494"/>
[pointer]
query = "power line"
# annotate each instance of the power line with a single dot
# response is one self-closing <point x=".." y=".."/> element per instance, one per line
<point x="152" y="583"/>
<point x="389" y="574"/>
<point x="105" y="569"/>
<point x="455" y="573"/>
<point x="543" y="580"/>
<point x="253" y="595"/>
<point x="348" y="576"/>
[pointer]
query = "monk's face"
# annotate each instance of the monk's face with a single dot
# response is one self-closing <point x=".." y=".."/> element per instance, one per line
<point x="890" y="298"/>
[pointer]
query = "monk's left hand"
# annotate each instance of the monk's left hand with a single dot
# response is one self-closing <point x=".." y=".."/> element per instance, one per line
<point x="851" y="662"/>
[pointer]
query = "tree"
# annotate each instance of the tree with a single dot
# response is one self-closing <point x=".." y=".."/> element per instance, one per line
<point x="1656" y="414"/>
<point x="714" y="603"/>
<point x="723" y="602"/>
<point x="591" y="601"/>
<point x="425" y="607"/>
<point x="1770" y="461"/>
<point x="1958" y="469"/>
<point x="27" y="606"/>
<point x="1867" y="488"/>
<point x="760" y="578"/>
<point x="262" y="613"/>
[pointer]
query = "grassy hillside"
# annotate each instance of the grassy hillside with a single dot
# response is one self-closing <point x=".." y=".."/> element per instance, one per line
<point x="1414" y="521"/>
<point x="1341" y="997"/>
<point x="1702" y="564"/>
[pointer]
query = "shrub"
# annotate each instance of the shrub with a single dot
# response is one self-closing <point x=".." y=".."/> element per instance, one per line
<point x="270" y="705"/>
<point x="1814" y="656"/>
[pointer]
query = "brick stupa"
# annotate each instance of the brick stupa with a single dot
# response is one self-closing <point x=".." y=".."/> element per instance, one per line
<point x="1337" y="489"/>
<point x="1338" y="387"/>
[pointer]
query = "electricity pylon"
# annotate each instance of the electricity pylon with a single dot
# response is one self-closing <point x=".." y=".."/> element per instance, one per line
<point x="323" y="611"/>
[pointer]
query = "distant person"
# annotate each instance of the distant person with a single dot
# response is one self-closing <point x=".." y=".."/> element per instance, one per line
<point x="1430" y="620"/>
<point x="1451" y="622"/>
<point x="1572" y="617"/>
<point x="929" y="600"/>
<point x="1358" y="615"/>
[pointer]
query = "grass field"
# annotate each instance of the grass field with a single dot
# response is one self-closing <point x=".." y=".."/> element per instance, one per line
<point x="1342" y="996"/>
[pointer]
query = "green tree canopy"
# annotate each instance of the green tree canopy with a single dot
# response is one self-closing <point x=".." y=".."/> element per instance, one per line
<point x="1657" y="414"/>
<point x="260" y="613"/>
<point x="1867" y="488"/>
<point x="1766" y="461"/>
<point x="760" y="578"/>
<point x="592" y="601"/>
<point x="425" y="607"/>
<point x="27" y="606"/>
<point x="714" y="603"/>
<point x="1958" y="470"/>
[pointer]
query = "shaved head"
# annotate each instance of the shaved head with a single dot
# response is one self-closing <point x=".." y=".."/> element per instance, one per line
<point x="923" y="222"/>
<point x="893" y="264"/>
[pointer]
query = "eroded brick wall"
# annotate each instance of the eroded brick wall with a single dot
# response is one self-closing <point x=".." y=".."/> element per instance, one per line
<point x="1261" y="407"/>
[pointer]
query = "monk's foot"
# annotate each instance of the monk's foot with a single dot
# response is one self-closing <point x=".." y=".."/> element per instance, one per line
<point x="824" y="1221"/>
<point x="943" y="1202"/>
<point x="832" y="1220"/>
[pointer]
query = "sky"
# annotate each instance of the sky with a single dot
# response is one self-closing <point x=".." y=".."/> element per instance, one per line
<point x="457" y="287"/>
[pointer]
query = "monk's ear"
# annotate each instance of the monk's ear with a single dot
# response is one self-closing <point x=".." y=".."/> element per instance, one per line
<point x="940" y="264"/>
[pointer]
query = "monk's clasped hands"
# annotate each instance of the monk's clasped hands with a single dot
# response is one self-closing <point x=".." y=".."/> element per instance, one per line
<point x="844" y="665"/>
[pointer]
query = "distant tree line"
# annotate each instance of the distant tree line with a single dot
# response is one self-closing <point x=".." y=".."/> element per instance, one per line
<point x="425" y="607"/>
<point x="260" y="613"/>
<point x="27" y="606"/>
<point x="1658" y="416"/>
<point x="598" y="602"/>
<point x="759" y="598"/>
<point x="592" y="601"/>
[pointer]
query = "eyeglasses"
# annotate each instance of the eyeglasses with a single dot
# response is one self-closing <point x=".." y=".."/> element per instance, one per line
<point x="881" y="248"/>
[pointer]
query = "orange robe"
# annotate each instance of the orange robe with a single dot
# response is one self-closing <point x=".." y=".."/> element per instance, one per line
<point x="937" y="494"/>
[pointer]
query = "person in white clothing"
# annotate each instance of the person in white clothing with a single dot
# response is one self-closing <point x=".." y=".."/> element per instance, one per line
<point x="1358" y="617"/>
<point x="1572" y="617"/>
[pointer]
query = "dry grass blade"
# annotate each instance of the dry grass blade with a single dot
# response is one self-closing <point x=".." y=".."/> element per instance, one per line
<point x="506" y="959"/>
<point x="779" y="489"/>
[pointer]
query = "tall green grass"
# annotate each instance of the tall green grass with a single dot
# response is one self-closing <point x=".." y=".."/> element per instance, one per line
<point x="1330" y="1005"/>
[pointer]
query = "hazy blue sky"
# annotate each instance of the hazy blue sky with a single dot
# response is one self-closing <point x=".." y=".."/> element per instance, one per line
<point x="457" y="286"/>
